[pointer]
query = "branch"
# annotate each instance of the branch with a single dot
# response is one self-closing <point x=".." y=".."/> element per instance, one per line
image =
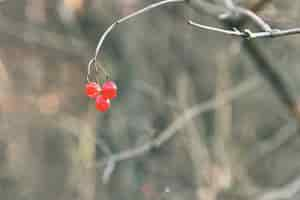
<point x="265" y="67"/>
<point x="255" y="18"/>
<point x="219" y="30"/>
<point x="175" y="126"/>
<point x="247" y="34"/>
<point x="150" y="90"/>
<point x="243" y="12"/>
<point x="273" y="77"/>
<point x="284" y="134"/>
<point x="254" y="8"/>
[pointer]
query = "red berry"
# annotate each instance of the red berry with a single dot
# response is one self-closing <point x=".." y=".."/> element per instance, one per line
<point x="92" y="89"/>
<point x="109" y="90"/>
<point x="102" y="104"/>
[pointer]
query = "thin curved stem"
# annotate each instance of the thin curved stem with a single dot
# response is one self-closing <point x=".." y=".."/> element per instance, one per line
<point x="126" y="18"/>
<point x="121" y="20"/>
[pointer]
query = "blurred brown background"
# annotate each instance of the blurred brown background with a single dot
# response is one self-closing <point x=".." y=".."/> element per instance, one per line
<point x="53" y="141"/>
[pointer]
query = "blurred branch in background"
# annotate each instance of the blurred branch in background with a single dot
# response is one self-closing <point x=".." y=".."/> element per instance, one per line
<point x="177" y="124"/>
<point x="151" y="91"/>
<point x="282" y="136"/>
<point x="31" y="34"/>
<point x="195" y="144"/>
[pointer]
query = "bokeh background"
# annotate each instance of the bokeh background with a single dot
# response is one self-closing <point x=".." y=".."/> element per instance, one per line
<point x="54" y="144"/>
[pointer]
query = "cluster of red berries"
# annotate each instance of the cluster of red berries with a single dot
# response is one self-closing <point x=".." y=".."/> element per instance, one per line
<point x="103" y="94"/>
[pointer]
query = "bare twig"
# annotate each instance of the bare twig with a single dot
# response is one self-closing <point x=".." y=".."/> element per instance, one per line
<point x="257" y="6"/>
<point x="247" y="33"/>
<point x="243" y="12"/>
<point x="126" y="18"/>
<point x="109" y="169"/>
<point x="176" y="125"/>
<point x="255" y="18"/>
<point x="267" y="30"/>
<point x="220" y="30"/>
